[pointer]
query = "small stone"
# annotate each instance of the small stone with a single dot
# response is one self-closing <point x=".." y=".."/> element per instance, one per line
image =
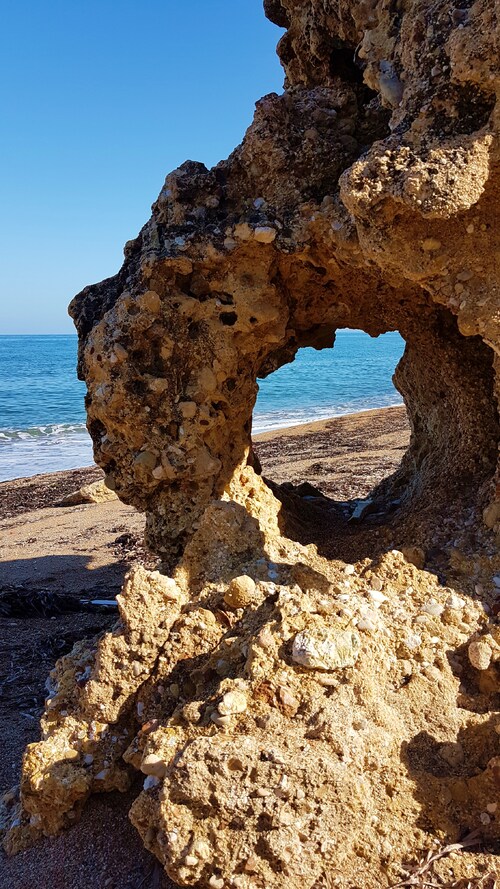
<point x="145" y="460"/>
<point x="188" y="409"/>
<point x="216" y="882"/>
<point x="264" y="234"/>
<point x="202" y="850"/>
<point x="241" y="592"/>
<point x="496" y="581"/>
<point x="479" y="654"/>
<point x="376" y="583"/>
<point x="433" y="608"/>
<point x="491" y="514"/>
<point x="190" y="861"/>
<point x="377" y="597"/>
<point x="265" y="639"/>
<point x="491" y="808"/>
<point x="327" y="680"/>
<point x="88" y="759"/>
<point x="191" y="712"/>
<point x="233" y="702"/>
<point x="349" y="569"/>
<point x="367" y="624"/>
<point x="242" y="231"/>
<point x="452" y="753"/>
<point x="413" y="641"/>
<point x="432" y="673"/>
<point x="289" y="702"/>
<point x="150" y="782"/>
<point x="326" y="648"/>
<point x="136" y="668"/>
<point x="455" y="602"/>
<point x="430" y="244"/>
<point x="158" y="385"/>
<point x="153" y="765"/>
<point x="484" y="818"/>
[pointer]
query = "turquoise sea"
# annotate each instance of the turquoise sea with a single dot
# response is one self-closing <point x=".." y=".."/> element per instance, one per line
<point x="42" y="417"/>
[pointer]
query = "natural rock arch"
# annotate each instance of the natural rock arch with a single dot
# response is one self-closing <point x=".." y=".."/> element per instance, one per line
<point x="298" y="719"/>
<point x="171" y="367"/>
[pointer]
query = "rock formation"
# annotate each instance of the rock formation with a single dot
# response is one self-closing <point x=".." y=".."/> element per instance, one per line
<point x="300" y="721"/>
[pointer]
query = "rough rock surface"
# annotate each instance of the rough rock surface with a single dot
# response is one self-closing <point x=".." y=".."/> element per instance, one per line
<point x="96" y="492"/>
<point x="343" y="718"/>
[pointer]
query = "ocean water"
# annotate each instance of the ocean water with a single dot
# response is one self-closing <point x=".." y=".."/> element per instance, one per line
<point x="42" y="417"/>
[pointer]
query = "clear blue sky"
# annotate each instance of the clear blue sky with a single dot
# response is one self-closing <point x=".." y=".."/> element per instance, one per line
<point x="99" y="101"/>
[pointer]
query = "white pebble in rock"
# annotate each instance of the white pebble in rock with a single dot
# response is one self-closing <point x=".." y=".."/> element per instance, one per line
<point x="264" y="234"/>
<point x="232" y="702"/>
<point x="150" y="782"/>
<point x="326" y="648"/>
<point x="433" y="608"/>
<point x="413" y="641"/>
<point x="455" y="602"/>
<point x="377" y="597"/>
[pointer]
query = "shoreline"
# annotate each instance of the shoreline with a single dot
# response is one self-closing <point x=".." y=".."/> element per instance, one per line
<point x="295" y="429"/>
<point x="319" y="425"/>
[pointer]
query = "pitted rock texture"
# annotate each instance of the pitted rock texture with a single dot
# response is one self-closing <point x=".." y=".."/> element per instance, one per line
<point x="319" y="736"/>
<point x="334" y="720"/>
<point x="347" y="205"/>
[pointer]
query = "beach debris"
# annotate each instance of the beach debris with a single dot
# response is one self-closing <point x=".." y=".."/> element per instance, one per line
<point x="418" y="875"/>
<point x="97" y="605"/>
<point x="362" y="509"/>
<point x="18" y="601"/>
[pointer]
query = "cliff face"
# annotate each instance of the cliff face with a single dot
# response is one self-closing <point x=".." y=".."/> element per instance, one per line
<point x="314" y="731"/>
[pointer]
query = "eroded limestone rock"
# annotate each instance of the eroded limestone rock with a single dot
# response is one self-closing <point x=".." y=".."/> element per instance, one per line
<point x="96" y="492"/>
<point x="257" y="768"/>
<point x="331" y="722"/>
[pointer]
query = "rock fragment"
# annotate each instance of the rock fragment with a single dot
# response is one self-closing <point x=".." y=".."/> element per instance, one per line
<point x="326" y="648"/>
<point x="96" y="492"/>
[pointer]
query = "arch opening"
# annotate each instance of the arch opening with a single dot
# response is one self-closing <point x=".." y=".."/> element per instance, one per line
<point x="435" y="481"/>
<point x="319" y="421"/>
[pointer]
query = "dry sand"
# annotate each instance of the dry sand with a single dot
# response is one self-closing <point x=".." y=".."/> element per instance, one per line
<point x="52" y="558"/>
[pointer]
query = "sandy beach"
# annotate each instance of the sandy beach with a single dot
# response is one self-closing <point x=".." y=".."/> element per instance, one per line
<point x="56" y="560"/>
